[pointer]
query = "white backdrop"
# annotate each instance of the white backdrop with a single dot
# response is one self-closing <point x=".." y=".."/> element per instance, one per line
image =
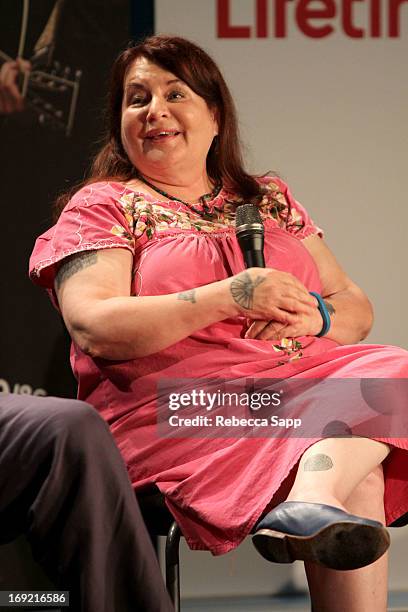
<point x="330" y="116"/>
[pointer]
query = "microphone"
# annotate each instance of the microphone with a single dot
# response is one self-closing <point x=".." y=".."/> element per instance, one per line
<point x="250" y="234"/>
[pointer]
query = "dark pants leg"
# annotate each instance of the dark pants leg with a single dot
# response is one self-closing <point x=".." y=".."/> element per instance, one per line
<point x="63" y="483"/>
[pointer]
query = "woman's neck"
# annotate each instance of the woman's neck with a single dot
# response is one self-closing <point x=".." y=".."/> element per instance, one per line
<point x="190" y="190"/>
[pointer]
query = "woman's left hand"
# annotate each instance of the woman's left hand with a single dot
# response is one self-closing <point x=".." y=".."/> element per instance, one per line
<point x="306" y="325"/>
<point x="354" y="314"/>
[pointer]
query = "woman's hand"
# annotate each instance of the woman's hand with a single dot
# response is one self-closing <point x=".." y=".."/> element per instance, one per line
<point x="266" y="294"/>
<point x="351" y="311"/>
<point x="307" y="325"/>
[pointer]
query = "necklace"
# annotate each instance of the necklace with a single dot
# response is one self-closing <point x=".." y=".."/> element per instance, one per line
<point x="205" y="212"/>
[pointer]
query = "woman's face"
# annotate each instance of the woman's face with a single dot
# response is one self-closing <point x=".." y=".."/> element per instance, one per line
<point x="165" y="125"/>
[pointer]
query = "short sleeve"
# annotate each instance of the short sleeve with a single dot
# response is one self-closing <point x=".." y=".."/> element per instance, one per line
<point x="99" y="216"/>
<point x="297" y="220"/>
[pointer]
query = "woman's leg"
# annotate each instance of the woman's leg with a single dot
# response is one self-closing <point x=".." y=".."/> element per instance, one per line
<point x="361" y="589"/>
<point x="313" y="524"/>
<point x="331" y="469"/>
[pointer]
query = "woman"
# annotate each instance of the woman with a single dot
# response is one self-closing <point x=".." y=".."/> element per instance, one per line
<point x="149" y="278"/>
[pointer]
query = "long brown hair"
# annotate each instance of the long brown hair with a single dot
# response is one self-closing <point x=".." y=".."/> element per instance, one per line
<point x="195" y="67"/>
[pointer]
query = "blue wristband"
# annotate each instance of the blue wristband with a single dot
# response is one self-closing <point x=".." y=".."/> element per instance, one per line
<point x="324" y="312"/>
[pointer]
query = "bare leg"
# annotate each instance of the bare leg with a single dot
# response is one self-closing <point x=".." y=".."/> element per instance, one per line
<point x="361" y="589"/>
<point x="331" y="469"/>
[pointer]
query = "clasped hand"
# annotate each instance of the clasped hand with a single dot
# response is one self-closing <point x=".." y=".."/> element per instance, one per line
<point x="277" y="304"/>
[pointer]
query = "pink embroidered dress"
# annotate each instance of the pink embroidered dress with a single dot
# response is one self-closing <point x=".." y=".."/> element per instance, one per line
<point x="216" y="487"/>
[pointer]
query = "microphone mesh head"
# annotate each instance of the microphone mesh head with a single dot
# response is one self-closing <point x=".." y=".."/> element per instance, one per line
<point x="247" y="214"/>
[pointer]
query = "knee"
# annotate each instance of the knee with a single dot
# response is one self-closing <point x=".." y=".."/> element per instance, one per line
<point x="367" y="498"/>
<point x="66" y="427"/>
<point x="73" y="412"/>
<point x="373" y="485"/>
<point x="43" y="420"/>
<point x="77" y="420"/>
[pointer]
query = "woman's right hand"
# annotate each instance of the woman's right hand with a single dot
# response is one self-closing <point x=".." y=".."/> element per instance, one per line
<point x="269" y="294"/>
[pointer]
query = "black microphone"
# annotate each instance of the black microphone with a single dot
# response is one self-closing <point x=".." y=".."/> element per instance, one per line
<point x="250" y="233"/>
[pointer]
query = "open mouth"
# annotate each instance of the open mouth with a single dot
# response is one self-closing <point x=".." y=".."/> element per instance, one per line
<point x="162" y="136"/>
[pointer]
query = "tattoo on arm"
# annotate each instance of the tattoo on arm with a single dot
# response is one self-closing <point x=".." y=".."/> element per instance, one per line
<point x="188" y="296"/>
<point x="318" y="463"/>
<point x="73" y="264"/>
<point x="242" y="289"/>
<point x="331" y="309"/>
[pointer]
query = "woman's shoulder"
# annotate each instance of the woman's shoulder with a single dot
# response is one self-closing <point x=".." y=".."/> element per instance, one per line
<point x="99" y="193"/>
<point x="272" y="184"/>
<point x="276" y="194"/>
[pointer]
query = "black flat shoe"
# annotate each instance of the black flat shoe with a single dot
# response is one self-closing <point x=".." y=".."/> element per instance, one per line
<point x="320" y="533"/>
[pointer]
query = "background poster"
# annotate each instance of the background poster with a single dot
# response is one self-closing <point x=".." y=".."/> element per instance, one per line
<point x="75" y="40"/>
<point x="38" y="160"/>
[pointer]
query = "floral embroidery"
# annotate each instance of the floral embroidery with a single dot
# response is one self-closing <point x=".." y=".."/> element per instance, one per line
<point x="277" y="207"/>
<point x="119" y="230"/>
<point x="144" y="217"/>
<point x="272" y="205"/>
<point x="295" y="220"/>
<point x="290" y="347"/>
<point x="275" y="204"/>
<point x="126" y="202"/>
<point x="147" y="217"/>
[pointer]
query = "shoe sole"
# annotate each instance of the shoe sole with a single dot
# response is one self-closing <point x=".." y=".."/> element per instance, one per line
<point x="342" y="546"/>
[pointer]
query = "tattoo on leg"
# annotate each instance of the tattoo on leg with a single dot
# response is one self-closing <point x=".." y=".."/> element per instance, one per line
<point x="318" y="463"/>
<point x="242" y="289"/>
<point x="73" y="264"/>
<point x="331" y="309"/>
<point x="188" y="296"/>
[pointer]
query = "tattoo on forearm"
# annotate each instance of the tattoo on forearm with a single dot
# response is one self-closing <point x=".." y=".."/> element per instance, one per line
<point x="187" y="296"/>
<point x="73" y="264"/>
<point x="330" y="308"/>
<point x="242" y="289"/>
<point x="318" y="463"/>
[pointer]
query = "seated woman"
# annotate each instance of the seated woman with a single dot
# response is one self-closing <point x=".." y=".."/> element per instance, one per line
<point x="149" y="277"/>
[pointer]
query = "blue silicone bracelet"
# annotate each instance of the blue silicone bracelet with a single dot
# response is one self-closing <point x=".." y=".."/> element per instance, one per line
<point x="324" y="312"/>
